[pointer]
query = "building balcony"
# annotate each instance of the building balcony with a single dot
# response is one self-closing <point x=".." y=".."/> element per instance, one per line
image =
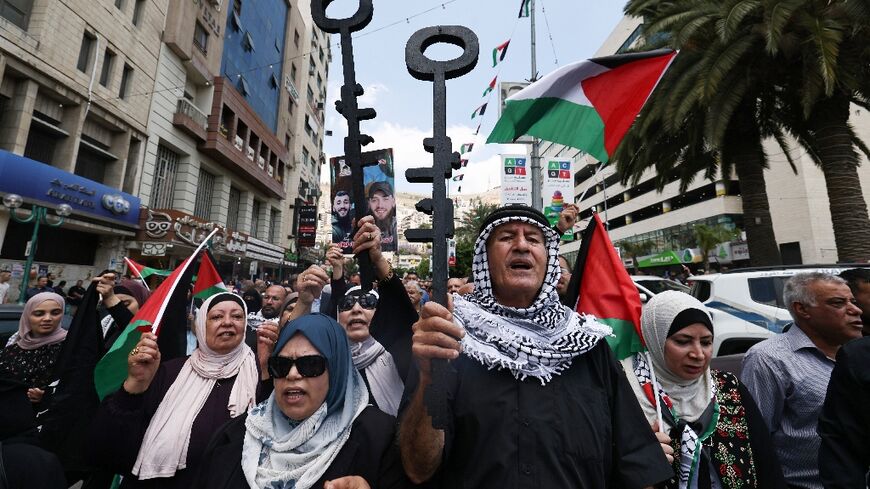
<point x="190" y="119"/>
<point x="240" y="141"/>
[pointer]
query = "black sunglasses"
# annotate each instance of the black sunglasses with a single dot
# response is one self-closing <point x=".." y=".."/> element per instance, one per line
<point x="366" y="301"/>
<point x="307" y="366"/>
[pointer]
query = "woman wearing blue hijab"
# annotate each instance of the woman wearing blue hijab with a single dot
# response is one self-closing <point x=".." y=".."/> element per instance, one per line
<point x="316" y="427"/>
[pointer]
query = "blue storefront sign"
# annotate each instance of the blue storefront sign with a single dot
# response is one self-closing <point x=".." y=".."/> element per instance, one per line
<point x="48" y="186"/>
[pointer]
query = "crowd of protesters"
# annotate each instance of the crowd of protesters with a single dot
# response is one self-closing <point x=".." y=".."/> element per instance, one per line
<point x="321" y="382"/>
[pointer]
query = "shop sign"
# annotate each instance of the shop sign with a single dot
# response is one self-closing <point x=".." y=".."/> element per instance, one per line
<point x="665" y="258"/>
<point x="307" y="232"/>
<point x="154" y="249"/>
<point x="48" y="186"/>
<point x="171" y="226"/>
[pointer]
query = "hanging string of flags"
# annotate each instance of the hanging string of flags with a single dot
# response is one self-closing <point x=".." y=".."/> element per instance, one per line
<point x="498" y="57"/>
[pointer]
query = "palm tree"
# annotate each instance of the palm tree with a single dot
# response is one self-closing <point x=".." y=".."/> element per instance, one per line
<point x="470" y="223"/>
<point x="783" y="66"/>
<point x="690" y="125"/>
<point x="823" y="43"/>
<point x="708" y="237"/>
<point x="635" y="248"/>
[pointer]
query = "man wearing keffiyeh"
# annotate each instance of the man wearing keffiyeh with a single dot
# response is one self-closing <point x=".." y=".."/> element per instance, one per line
<point x="533" y="397"/>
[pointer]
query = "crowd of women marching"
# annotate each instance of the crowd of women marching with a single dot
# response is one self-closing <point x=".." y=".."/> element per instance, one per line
<point x="350" y="400"/>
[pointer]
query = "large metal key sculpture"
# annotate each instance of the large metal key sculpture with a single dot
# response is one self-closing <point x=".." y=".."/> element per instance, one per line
<point x="444" y="160"/>
<point x="348" y="108"/>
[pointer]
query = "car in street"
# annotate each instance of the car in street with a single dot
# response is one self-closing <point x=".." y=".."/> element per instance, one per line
<point x="747" y="303"/>
<point x="729" y="337"/>
<point x="650" y="285"/>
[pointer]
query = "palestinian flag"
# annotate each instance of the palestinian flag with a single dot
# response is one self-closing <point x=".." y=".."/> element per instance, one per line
<point x="208" y="280"/>
<point x="477" y="131"/>
<point x="524" y="9"/>
<point x="458" y="178"/>
<point x="491" y="86"/>
<point x="601" y="286"/>
<point x="144" y="272"/>
<point x="459" y="190"/>
<point x="588" y="105"/>
<point x="479" y="111"/>
<point x="111" y="370"/>
<point x="499" y="53"/>
<point x="463" y="163"/>
<point x="466" y="148"/>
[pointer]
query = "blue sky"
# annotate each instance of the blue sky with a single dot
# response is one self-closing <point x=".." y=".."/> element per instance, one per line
<point x="404" y="105"/>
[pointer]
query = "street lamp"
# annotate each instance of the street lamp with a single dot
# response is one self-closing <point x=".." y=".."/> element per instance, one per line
<point x="38" y="215"/>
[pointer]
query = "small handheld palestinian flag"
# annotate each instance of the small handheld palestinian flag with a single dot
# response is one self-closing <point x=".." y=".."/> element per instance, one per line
<point x="524" y="8"/>
<point x="477" y="131"/>
<point x="463" y="163"/>
<point x="499" y="53"/>
<point x="208" y="280"/>
<point x="458" y="178"/>
<point x="601" y="286"/>
<point x="588" y="105"/>
<point x="466" y="148"/>
<point x="479" y="111"/>
<point x="111" y="370"/>
<point x="459" y="190"/>
<point x="144" y="272"/>
<point x="491" y="86"/>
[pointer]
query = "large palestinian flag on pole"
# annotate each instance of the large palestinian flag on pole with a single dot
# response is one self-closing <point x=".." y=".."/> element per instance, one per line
<point x="588" y="105"/>
<point x="601" y="286"/>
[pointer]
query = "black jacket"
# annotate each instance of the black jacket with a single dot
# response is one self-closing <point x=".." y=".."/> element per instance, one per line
<point x="370" y="453"/>
<point x="844" y="424"/>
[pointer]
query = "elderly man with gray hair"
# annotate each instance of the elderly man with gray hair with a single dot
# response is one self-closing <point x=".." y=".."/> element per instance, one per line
<point x="788" y="374"/>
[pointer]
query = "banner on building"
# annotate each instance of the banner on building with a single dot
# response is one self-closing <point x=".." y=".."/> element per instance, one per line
<point x="516" y="180"/>
<point x="557" y="190"/>
<point x="380" y="196"/>
<point x="307" y="232"/>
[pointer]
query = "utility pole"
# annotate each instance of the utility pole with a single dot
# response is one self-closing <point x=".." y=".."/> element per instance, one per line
<point x="537" y="203"/>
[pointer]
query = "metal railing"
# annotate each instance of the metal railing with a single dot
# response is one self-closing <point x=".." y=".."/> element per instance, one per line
<point x="187" y="108"/>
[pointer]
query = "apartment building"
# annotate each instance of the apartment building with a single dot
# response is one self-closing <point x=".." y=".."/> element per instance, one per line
<point x="77" y="77"/>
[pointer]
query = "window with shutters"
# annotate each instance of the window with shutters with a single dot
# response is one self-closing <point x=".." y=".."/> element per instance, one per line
<point x="16" y="11"/>
<point x="108" y="63"/>
<point x="85" y="51"/>
<point x="255" y="219"/>
<point x="165" y="172"/>
<point x="273" y="226"/>
<point x="233" y="208"/>
<point x="204" y="195"/>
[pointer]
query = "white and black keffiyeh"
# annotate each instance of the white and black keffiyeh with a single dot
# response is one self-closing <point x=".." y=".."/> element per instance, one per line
<point x="537" y="341"/>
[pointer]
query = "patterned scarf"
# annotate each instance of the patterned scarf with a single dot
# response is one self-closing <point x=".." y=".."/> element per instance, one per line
<point x="536" y="341"/>
<point x="690" y="441"/>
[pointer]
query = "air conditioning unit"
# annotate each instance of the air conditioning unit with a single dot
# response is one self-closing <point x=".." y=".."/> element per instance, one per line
<point x="251" y="153"/>
<point x="270" y="170"/>
<point x="239" y="143"/>
<point x="311" y="70"/>
<point x="261" y="162"/>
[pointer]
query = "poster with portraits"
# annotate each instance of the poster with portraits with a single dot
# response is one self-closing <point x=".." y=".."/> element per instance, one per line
<point x="379" y="196"/>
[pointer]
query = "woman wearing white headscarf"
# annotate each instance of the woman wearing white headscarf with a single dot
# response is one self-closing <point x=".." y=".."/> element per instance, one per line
<point x="31" y="358"/>
<point x="720" y="439"/>
<point x="156" y="427"/>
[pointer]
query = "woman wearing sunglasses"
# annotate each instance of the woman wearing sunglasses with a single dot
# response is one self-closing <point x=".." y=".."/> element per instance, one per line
<point x="316" y="430"/>
<point x="157" y="426"/>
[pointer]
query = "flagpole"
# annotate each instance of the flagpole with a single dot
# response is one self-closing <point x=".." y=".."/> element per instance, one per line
<point x="537" y="203"/>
